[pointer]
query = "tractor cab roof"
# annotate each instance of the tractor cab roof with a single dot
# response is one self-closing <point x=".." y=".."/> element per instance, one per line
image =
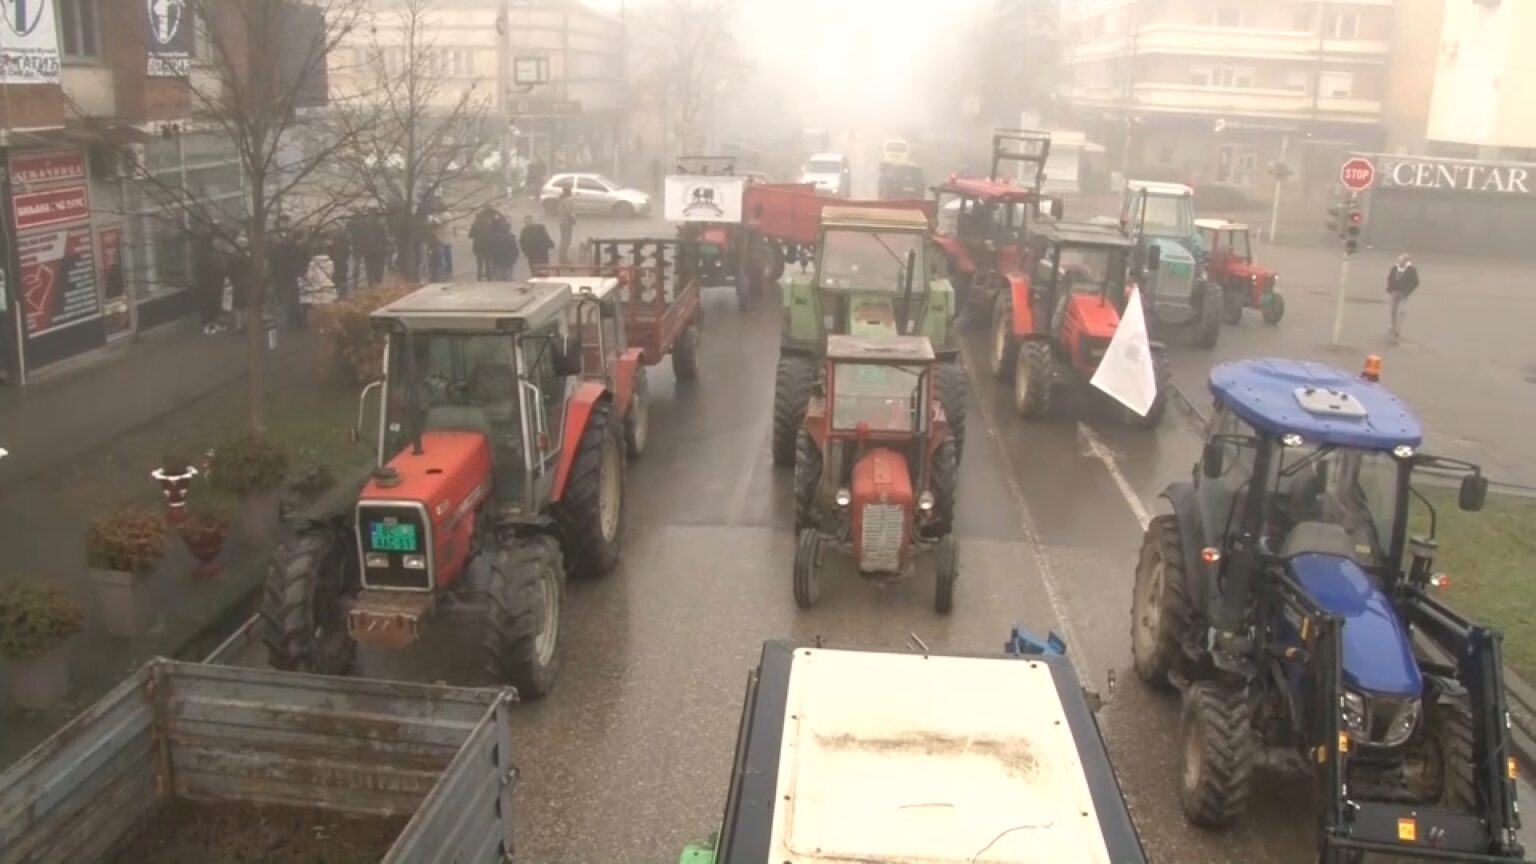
<point x="596" y="287"/>
<point x="1220" y="225"/>
<point x="1322" y="404"/>
<point x="1158" y="189"/>
<point x="477" y="307"/>
<point x="881" y="349"/>
<point x="874" y="218"/>
<point x="989" y="191"/>
<point x="1083" y="234"/>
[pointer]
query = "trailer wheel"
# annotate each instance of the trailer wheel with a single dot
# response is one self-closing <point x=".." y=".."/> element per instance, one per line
<point x="1274" y="309"/>
<point x="591" y="509"/>
<point x="1159" y="605"/>
<point x="637" y="422"/>
<point x="1450" y="728"/>
<point x="1005" y="348"/>
<point x="791" y="392"/>
<point x="776" y="260"/>
<point x="685" y="354"/>
<point x="524" y="607"/>
<point x="1163" y="377"/>
<point x="807" y="479"/>
<point x="946" y="571"/>
<point x="807" y="575"/>
<point x="1033" y="379"/>
<point x="944" y="485"/>
<point x="1208" y="325"/>
<point x="1217" y="752"/>
<point x="954" y="390"/>
<point x="304" y="624"/>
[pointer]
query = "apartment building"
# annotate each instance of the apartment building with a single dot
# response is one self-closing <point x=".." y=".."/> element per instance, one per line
<point x="1212" y="91"/>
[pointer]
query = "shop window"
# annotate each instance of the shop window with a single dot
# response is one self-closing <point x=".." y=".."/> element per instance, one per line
<point x="77" y="29"/>
<point x="1235" y="164"/>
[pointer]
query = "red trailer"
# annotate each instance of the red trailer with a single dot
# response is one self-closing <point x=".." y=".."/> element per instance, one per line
<point x="788" y="216"/>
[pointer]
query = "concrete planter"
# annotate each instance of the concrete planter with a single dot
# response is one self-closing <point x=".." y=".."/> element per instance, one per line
<point x="41" y="682"/>
<point x="126" y="607"/>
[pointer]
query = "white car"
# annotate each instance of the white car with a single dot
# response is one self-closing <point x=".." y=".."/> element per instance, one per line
<point x="595" y="194"/>
<point x="895" y="150"/>
<point x="830" y="174"/>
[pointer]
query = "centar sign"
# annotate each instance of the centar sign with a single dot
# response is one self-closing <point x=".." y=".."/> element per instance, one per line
<point x="1457" y="176"/>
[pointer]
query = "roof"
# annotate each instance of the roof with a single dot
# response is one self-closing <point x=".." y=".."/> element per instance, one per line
<point x="477" y="306"/>
<point x="996" y="190"/>
<point x="880" y="349"/>
<point x="1159" y="188"/>
<point x="1084" y="234"/>
<point x="879" y="217"/>
<point x="1220" y="225"/>
<point x="1322" y="404"/>
<point x="912" y="757"/>
<point x="595" y="286"/>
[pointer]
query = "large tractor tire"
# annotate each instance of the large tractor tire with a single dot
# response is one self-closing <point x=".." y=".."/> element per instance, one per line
<point x="304" y="624"/>
<point x="791" y="393"/>
<point x="954" y="391"/>
<point x="1274" y="309"/>
<point x="1034" y="377"/>
<point x="807" y="479"/>
<point x="1208" y="325"/>
<point x="1159" y="603"/>
<point x="1163" y="377"/>
<point x="591" y="510"/>
<point x="776" y="260"/>
<point x="946" y="571"/>
<point x="1232" y="307"/>
<point x="807" y="568"/>
<point x="1450" y="730"/>
<point x="1217" y="752"/>
<point x="685" y="354"/>
<point x="525" y="602"/>
<point x="945" y="486"/>
<point x="1005" y="348"/>
<point x="637" y="421"/>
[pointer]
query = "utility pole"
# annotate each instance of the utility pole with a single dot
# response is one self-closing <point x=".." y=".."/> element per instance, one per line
<point x="1338" y="306"/>
<point x="1280" y="172"/>
<point x="621" y="88"/>
<point x="503" y="88"/>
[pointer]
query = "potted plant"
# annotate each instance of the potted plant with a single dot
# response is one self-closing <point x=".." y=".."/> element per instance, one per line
<point x="203" y="533"/>
<point x="251" y="467"/>
<point x="175" y="478"/>
<point x="35" y="625"/>
<point x="122" y="548"/>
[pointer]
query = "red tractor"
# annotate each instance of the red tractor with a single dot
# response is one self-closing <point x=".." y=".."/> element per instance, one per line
<point x="1229" y="263"/>
<point x="501" y="467"/>
<point x="875" y="469"/>
<point x="1055" y="328"/>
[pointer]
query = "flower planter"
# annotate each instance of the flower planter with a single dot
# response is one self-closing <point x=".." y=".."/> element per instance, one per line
<point x="43" y="681"/>
<point x="175" y="488"/>
<point x="205" y="543"/>
<point x="126" y="607"/>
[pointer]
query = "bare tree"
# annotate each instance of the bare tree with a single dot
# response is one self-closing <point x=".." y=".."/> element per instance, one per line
<point x="415" y="136"/>
<point x="689" y="52"/>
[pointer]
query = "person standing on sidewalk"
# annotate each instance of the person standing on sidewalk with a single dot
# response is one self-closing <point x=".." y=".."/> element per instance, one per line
<point x="567" y="212"/>
<point x="503" y="247"/>
<point x="480" y="242"/>
<point x="208" y="278"/>
<point x="1402" y="281"/>
<point x="536" y="244"/>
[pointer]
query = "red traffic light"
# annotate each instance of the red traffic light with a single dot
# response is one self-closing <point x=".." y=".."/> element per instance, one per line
<point x="1356" y="217"/>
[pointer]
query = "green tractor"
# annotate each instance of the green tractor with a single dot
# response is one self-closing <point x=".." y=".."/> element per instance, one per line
<point x="873" y="269"/>
<point x="1180" y="299"/>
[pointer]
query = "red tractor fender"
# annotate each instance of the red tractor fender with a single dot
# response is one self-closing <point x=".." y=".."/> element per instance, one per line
<point x="959" y="256"/>
<point x="578" y="410"/>
<point x="1023" y="309"/>
<point x="624" y="378"/>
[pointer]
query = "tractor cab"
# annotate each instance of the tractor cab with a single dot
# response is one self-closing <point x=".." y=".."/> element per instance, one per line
<point x="598" y="321"/>
<point x="872" y="269"/>
<point x="1169" y="260"/>
<point x="1229" y="263"/>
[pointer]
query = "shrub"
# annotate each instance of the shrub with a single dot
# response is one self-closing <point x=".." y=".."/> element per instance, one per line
<point x="353" y="351"/>
<point x="33" y="619"/>
<point x="131" y="539"/>
<point x="308" y="477"/>
<point x="249" y="463"/>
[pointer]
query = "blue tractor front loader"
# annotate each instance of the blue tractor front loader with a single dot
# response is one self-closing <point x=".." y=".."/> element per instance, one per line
<point x="1288" y="599"/>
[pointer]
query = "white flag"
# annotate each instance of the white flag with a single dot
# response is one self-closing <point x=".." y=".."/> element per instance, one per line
<point x="1126" y="372"/>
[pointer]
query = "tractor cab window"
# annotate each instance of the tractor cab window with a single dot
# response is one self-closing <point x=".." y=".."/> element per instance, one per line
<point x="1222" y="500"/>
<point x="879" y="398"/>
<point x="539" y="347"/>
<point x="1236" y="242"/>
<point x="1344" y="486"/>
<point x="869" y="260"/>
<point x="951" y="209"/>
<point x="1086" y="270"/>
<point x="597" y="325"/>
<point x="1167" y="216"/>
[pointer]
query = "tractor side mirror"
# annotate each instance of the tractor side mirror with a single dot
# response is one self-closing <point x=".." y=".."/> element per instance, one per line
<point x="1474" y="492"/>
<point x="1211" y="458"/>
<point x="1154" y="257"/>
<point x="567" y="355"/>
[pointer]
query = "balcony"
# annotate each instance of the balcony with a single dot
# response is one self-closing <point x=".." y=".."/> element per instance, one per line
<point x="1161" y="98"/>
<point x="1246" y="43"/>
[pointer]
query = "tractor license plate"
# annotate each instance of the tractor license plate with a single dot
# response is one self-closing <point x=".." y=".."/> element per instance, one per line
<point x="388" y="619"/>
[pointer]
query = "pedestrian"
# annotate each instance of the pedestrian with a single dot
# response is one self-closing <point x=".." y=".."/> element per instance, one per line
<point x="503" y="249"/>
<point x="566" y="210"/>
<point x="1402" y="281"/>
<point x="286" y="263"/>
<point x="340" y="252"/>
<point x="440" y="232"/>
<point x="242" y="281"/>
<point x="536" y="244"/>
<point x="371" y="241"/>
<point x="208" y="279"/>
<point x="480" y="241"/>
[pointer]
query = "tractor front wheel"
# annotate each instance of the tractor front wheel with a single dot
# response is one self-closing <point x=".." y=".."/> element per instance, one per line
<point x="954" y="389"/>
<point x="637" y="422"/>
<point x="1232" y="308"/>
<point x="304" y="624"/>
<point x="591" y="510"/>
<point x="946" y="571"/>
<point x="685" y="354"/>
<point x="791" y="393"/>
<point x="807" y="575"/>
<point x="1162" y="376"/>
<point x="1217" y="752"/>
<point x="1005" y="348"/>
<point x="1274" y="308"/>
<point x="523" y="612"/>
<point x="1208" y="325"/>
<point x="807" y="479"/>
<point x="1033" y="379"/>
<point x="1450" y="731"/>
<point x="1159" y="604"/>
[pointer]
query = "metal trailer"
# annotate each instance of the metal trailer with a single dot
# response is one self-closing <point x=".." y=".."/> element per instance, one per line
<point x="219" y="734"/>
<point x="870" y="755"/>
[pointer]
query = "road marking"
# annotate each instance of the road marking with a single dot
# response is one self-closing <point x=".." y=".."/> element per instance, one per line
<point x="1096" y="448"/>
<point x="1027" y="526"/>
<point x="738" y="506"/>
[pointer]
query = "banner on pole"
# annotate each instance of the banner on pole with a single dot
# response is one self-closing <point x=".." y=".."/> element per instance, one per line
<point x="29" y="42"/>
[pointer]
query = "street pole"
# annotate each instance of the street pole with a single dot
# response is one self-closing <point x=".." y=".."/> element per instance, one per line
<point x="621" y="89"/>
<point x="503" y="34"/>
<point x="1274" y="213"/>
<point x="1338" y="306"/>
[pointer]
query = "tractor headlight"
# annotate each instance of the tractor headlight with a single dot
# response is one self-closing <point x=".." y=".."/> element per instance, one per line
<point x="415" y="562"/>
<point x="925" y="502"/>
<point x="1291" y="439"/>
<point x="1402" y="451"/>
<point x="1353" y="715"/>
<point x="376" y="559"/>
<point x="843" y="498"/>
<point x="1403" y="724"/>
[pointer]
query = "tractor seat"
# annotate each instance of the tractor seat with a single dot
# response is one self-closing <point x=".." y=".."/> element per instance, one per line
<point x="1323" y="538"/>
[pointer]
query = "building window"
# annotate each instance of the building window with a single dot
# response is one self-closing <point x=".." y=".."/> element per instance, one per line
<point x="1200" y="77"/>
<point x="1335" y="85"/>
<point x="77" y="28"/>
<point x="1235" y="164"/>
<point x="1344" y="25"/>
<point x="1227" y="17"/>
<point x="1296" y="79"/>
<point x="1221" y="76"/>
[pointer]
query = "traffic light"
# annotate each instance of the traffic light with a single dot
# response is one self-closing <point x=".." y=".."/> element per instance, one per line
<point x="1352" y="232"/>
<point x="1336" y="220"/>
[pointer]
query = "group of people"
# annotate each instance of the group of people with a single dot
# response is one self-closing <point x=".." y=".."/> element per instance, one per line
<point x="496" y="249"/>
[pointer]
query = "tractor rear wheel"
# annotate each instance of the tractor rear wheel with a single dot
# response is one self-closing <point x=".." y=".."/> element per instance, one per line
<point x="1208" y="325"/>
<point x="685" y="354"/>
<point x="1232" y="306"/>
<point x="1005" y="348"/>
<point x="1033" y="378"/>
<point x="791" y="392"/>
<point x="1159" y="604"/>
<point x="807" y="479"/>
<point x="1163" y="377"/>
<point x="637" y="422"/>
<point x="523" y="612"/>
<point x="304" y="624"/>
<point x="1274" y="308"/>
<point x="591" y="510"/>
<point x="1217" y="752"/>
<point x="944" y="485"/>
<point x="807" y="575"/>
<point x="1450" y="730"/>
<point x="945" y="571"/>
<point x="954" y="390"/>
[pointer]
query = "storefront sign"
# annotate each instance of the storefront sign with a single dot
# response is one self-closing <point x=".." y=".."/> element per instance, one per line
<point x="47" y="166"/>
<point x="169" y="37"/>
<point x="1487" y="177"/>
<point x="29" y="42"/>
<point x="52" y="207"/>
<point x="58" y="279"/>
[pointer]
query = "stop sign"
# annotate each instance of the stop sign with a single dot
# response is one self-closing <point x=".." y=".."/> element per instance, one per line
<point x="1357" y="174"/>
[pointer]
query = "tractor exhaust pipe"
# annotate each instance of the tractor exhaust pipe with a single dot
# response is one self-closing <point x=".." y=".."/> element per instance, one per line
<point x="904" y="323"/>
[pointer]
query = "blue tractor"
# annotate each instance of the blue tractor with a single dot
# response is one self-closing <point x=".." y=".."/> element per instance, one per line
<point x="1287" y="600"/>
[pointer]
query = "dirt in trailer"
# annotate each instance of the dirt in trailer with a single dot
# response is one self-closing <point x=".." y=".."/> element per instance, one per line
<point x="196" y="832"/>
